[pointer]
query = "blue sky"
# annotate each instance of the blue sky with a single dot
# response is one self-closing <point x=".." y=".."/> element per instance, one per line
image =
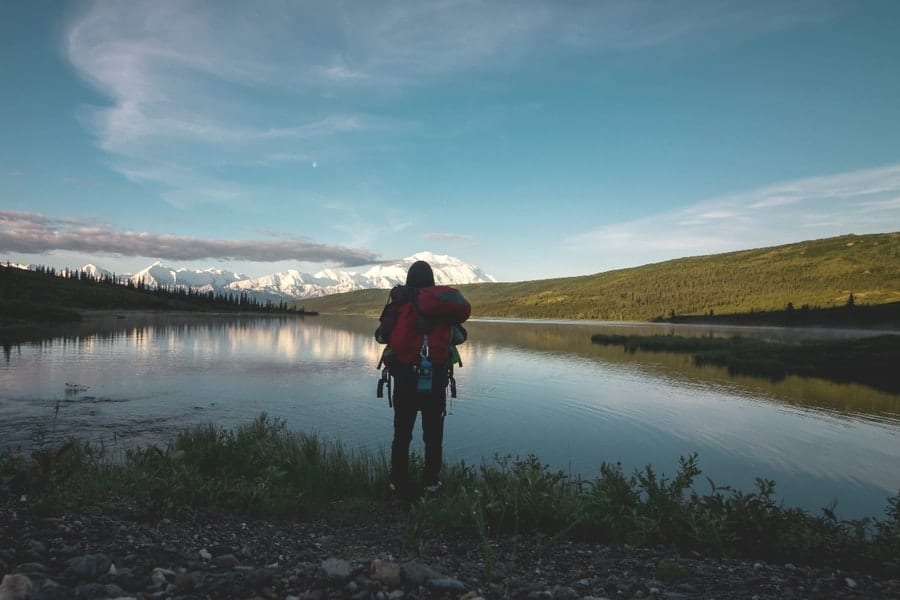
<point x="534" y="139"/>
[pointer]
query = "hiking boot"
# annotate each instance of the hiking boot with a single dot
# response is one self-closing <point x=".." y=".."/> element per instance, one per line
<point x="398" y="496"/>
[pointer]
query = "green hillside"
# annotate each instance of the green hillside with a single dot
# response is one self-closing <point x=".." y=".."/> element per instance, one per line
<point x="817" y="273"/>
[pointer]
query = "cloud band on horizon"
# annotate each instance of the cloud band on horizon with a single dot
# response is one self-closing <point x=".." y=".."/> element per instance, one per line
<point x="32" y="233"/>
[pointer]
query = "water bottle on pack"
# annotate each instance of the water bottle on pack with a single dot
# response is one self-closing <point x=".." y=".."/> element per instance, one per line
<point x="423" y="384"/>
<point x="424" y="371"/>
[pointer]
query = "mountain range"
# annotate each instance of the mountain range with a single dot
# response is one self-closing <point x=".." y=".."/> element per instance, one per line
<point x="296" y="285"/>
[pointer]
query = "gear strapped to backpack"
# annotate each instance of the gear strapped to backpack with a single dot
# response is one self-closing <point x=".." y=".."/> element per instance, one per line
<point x="421" y="327"/>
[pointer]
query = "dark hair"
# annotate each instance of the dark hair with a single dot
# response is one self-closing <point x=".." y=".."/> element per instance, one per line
<point x="420" y="275"/>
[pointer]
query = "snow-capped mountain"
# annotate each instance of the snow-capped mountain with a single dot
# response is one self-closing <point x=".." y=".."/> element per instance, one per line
<point x="447" y="271"/>
<point x="295" y="285"/>
<point x="95" y="272"/>
<point x="203" y="281"/>
<point x="289" y="284"/>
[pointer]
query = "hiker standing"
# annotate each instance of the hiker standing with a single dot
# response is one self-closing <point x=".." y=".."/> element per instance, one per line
<point x="419" y="323"/>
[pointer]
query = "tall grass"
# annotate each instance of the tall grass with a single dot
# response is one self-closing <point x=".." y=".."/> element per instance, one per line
<point x="261" y="469"/>
<point x="264" y="470"/>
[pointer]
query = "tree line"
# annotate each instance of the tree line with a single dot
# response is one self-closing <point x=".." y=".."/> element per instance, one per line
<point x="42" y="284"/>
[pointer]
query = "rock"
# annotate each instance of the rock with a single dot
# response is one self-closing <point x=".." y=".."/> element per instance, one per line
<point x="205" y="555"/>
<point x="417" y="573"/>
<point x="15" y="587"/>
<point x="226" y="561"/>
<point x="89" y="566"/>
<point x="262" y="578"/>
<point x="160" y="577"/>
<point x="386" y="572"/>
<point x="447" y="584"/>
<point x="33" y="568"/>
<point x="50" y="590"/>
<point x="564" y="593"/>
<point x="89" y="591"/>
<point x="851" y="583"/>
<point x="186" y="582"/>
<point x="336" y="569"/>
<point x="220" y="549"/>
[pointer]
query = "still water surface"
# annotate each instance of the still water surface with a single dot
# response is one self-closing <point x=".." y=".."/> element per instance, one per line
<point x="526" y="388"/>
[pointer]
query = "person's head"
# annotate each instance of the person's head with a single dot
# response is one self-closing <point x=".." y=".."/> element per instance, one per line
<point x="420" y="275"/>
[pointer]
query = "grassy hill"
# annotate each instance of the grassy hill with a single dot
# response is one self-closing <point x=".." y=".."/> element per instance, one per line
<point x="818" y="273"/>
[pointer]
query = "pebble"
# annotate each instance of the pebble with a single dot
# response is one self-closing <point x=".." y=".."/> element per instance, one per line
<point x="226" y="561"/>
<point x="386" y="572"/>
<point x="447" y="584"/>
<point x="89" y="566"/>
<point x="336" y="569"/>
<point x="15" y="586"/>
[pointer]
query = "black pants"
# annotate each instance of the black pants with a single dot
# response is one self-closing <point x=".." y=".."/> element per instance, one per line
<point x="408" y="402"/>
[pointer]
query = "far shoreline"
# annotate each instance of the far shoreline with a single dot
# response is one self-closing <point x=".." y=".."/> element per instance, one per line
<point x="94" y="321"/>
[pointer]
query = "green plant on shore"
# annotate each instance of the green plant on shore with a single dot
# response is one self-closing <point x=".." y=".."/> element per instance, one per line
<point x="476" y="510"/>
<point x="264" y="470"/>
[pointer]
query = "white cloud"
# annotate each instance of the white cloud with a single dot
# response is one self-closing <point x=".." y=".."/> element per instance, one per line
<point x="31" y="233"/>
<point x="864" y="201"/>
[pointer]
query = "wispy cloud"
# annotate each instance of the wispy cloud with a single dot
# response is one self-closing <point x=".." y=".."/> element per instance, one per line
<point x="865" y="201"/>
<point x="31" y="233"/>
<point x="447" y="237"/>
<point x="205" y="83"/>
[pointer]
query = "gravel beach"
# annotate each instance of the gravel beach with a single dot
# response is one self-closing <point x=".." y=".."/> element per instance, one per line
<point x="93" y="553"/>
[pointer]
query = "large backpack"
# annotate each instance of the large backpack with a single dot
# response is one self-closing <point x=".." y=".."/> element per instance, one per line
<point x="417" y="318"/>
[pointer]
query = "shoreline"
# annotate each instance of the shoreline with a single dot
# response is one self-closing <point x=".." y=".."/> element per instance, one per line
<point x="98" y="321"/>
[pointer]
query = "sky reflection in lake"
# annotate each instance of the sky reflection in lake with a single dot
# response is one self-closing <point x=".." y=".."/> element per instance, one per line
<point x="524" y="388"/>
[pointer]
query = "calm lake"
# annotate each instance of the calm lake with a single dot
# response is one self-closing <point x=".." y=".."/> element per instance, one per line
<point x="526" y="387"/>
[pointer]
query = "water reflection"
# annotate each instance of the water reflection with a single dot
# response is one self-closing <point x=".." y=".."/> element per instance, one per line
<point x="572" y="339"/>
<point x="525" y="387"/>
